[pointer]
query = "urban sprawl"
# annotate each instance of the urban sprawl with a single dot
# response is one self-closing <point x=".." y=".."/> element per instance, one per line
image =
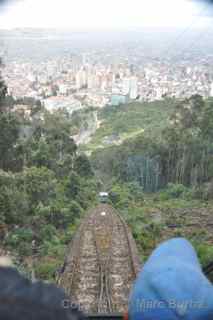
<point x="75" y="82"/>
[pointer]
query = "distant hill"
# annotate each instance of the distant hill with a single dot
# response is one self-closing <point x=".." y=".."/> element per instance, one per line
<point x="151" y="43"/>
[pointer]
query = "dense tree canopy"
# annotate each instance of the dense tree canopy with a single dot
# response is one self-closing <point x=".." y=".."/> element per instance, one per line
<point x="44" y="184"/>
<point x="182" y="154"/>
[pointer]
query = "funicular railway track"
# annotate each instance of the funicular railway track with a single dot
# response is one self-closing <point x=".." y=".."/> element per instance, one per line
<point x="101" y="263"/>
<point x="101" y="245"/>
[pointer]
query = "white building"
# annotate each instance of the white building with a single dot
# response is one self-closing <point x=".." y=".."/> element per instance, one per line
<point x="81" y="79"/>
<point x="91" y="81"/>
<point x="133" y="88"/>
<point x="159" y="93"/>
<point x="63" y="89"/>
<point x="126" y="86"/>
<point x="69" y="104"/>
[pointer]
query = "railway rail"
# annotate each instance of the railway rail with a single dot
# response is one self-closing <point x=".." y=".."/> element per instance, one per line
<point x="101" y="263"/>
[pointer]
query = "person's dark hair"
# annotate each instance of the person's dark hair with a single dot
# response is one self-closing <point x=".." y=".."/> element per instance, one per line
<point x="24" y="300"/>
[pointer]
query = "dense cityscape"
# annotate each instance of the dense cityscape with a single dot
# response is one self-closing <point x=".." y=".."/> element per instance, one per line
<point x="106" y="73"/>
<point x="75" y="82"/>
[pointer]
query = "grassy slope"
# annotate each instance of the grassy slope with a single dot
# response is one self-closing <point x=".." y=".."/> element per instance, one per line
<point x="157" y="219"/>
<point x="127" y="121"/>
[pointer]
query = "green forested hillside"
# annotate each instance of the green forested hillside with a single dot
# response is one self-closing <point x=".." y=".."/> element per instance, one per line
<point x="179" y="153"/>
<point x="122" y="122"/>
<point x="45" y="187"/>
<point x="163" y="182"/>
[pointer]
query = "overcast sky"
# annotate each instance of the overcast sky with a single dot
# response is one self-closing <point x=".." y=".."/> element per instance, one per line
<point x="103" y="14"/>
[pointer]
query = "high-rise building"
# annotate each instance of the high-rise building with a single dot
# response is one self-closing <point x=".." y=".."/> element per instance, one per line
<point x="81" y="79"/>
<point x="126" y="86"/>
<point x="133" y="88"/>
<point x="91" y="80"/>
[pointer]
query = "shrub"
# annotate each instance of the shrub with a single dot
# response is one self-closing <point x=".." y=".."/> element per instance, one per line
<point x="205" y="253"/>
<point x="46" y="270"/>
<point x="174" y="191"/>
<point x="21" y="241"/>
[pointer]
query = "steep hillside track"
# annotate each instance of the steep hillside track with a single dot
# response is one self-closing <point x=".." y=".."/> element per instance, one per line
<point x="101" y="263"/>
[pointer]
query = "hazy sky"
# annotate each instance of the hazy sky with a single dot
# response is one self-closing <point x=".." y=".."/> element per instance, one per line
<point x="102" y="14"/>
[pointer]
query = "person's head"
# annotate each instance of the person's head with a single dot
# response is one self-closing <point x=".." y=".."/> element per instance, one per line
<point x="171" y="286"/>
<point x="24" y="300"/>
